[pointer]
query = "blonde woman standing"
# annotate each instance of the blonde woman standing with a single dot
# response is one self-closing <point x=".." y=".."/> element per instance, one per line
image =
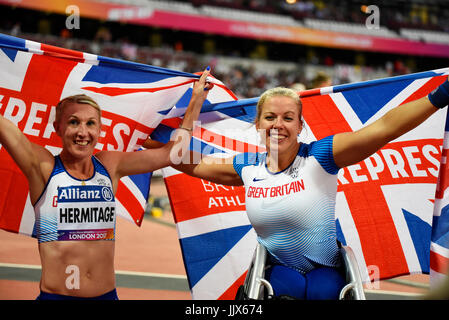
<point x="73" y="193"/>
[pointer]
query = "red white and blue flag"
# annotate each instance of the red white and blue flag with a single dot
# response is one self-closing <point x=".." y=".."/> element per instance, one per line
<point x="216" y="238"/>
<point x="384" y="203"/>
<point x="439" y="245"/>
<point x="134" y="98"/>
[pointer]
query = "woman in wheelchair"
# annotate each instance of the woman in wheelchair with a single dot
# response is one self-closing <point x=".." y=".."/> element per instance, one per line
<point x="291" y="189"/>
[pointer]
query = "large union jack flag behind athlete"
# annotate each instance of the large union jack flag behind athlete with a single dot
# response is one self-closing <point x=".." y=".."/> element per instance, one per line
<point x="134" y="98"/>
<point x="384" y="203"/>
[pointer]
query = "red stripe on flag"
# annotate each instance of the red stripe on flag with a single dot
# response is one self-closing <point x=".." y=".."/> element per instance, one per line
<point x="110" y="91"/>
<point x="231" y="292"/>
<point x="323" y="116"/>
<point x="443" y="178"/>
<point x="376" y="229"/>
<point x="130" y="202"/>
<point x="173" y="122"/>
<point x="216" y="138"/>
<point x="438" y="262"/>
<point x="120" y="140"/>
<point x="430" y="85"/>
<point x="225" y="142"/>
<point x="13" y="193"/>
<point x="62" y="52"/>
<point x="310" y="92"/>
<point x="54" y="71"/>
<point x="203" y="197"/>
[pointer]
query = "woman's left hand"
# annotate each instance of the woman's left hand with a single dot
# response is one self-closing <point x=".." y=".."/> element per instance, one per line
<point x="202" y="87"/>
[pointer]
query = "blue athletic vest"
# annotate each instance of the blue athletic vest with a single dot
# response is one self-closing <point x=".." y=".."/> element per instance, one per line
<point x="71" y="209"/>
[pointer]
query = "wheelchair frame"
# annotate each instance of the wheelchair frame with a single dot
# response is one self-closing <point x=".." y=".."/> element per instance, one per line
<point x="255" y="283"/>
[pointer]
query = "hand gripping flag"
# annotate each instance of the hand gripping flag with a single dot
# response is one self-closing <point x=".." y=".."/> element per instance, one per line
<point x="216" y="237"/>
<point x="134" y="98"/>
<point x="384" y="203"/>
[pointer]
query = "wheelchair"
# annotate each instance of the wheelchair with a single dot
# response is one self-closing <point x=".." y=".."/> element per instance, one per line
<point x="255" y="287"/>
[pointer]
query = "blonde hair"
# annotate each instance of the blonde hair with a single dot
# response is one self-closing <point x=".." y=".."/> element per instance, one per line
<point x="278" y="91"/>
<point x="78" y="98"/>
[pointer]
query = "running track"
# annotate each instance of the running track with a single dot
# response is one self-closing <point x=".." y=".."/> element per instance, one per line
<point x="148" y="266"/>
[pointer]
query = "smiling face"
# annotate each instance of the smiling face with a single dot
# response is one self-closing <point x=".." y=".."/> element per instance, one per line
<point x="279" y="123"/>
<point x="79" y="127"/>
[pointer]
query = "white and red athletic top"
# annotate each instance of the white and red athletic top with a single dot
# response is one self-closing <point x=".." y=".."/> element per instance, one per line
<point x="293" y="211"/>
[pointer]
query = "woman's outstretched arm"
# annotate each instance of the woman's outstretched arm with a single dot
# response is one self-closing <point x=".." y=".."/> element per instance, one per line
<point x="352" y="147"/>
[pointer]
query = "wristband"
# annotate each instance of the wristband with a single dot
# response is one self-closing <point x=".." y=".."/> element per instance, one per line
<point x="440" y="96"/>
<point x="187" y="129"/>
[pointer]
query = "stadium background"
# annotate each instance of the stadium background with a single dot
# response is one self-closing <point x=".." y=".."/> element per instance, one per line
<point x="248" y="63"/>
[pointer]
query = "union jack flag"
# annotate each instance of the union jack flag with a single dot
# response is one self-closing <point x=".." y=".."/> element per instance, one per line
<point x="439" y="246"/>
<point x="134" y="98"/>
<point x="216" y="237"/>
<point x="384" y="203"/>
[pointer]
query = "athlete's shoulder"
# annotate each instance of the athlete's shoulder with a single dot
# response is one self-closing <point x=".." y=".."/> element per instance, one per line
<point x="245" y="159"/>
<point x="58" y="166"/>
<point x="322" y="151"/>
<point x="99" y="166"/>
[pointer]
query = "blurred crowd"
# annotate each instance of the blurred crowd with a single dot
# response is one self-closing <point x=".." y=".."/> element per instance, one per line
<point x="429" y="15"/>
<point x="246" y="77"/>
<point x="247" y="67"/>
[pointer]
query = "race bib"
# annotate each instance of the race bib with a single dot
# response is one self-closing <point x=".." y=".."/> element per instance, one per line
<point x="86" y="213"/>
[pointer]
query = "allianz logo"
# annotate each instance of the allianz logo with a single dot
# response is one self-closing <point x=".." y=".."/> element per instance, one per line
<point x="96" y="193"/>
